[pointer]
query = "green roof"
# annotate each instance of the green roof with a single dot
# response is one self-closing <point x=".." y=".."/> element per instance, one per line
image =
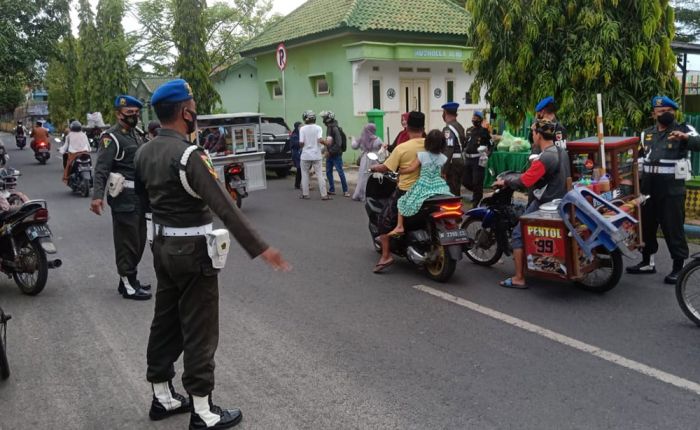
<point x="321" y="17"/>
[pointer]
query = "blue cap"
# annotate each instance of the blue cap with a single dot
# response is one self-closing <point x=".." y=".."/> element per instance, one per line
<point x="127" y="101"/>
<point x="663" y="101"/>
<point x="451" y="107"/>
<point x="544" y="103"/>
<point x="174" y="91"/>
<point x="479" y="113"/>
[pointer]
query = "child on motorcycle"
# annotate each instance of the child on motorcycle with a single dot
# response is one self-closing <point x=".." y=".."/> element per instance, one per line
<point x="429" y="184"/>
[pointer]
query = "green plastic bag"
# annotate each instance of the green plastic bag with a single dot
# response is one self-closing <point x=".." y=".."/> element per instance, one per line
<point x="506" y="142"/>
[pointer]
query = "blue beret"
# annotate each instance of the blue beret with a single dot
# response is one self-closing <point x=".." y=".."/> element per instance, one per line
<point x="127" y="101"/>
<point x="663" y="101"/>
<point x="544" y="103"/>
<point x="452" y="106"/>
<point x="174" y="91"/>
<point x="479" y="113"/>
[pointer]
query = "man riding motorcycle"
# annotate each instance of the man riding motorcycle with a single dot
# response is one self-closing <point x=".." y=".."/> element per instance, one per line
<point x="39" y="134"/>
<point x="20" y="130"/>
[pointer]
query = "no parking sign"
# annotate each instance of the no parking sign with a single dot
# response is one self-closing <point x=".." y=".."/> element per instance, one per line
<point x="281" y="55"/>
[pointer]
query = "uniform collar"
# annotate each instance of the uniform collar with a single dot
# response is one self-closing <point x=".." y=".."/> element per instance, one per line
<point x="169" y="132"/>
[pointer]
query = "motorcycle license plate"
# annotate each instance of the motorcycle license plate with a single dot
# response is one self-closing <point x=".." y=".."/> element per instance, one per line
<point x="84" y="168"/>
<point x="233" y="183"/>
<point x="39" y="230"/>
<point x="453" y="237"/>
<point x="43" y="150"/>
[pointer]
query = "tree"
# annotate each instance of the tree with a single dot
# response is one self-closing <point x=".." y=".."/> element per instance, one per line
<point x="113" y="69"/>
<point x="687" y="20"/>
<point x="193" y="62"/>
<point x="89" y="52"/>
<point x="61" y="83"/>
<point x="573" y="50"/>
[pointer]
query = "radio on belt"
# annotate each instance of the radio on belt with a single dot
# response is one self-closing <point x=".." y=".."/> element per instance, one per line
<point x="218" y="244"/>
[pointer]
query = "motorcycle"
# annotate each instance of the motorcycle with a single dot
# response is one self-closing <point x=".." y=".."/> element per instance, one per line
<point x="42" y="150"/>
<point x="80" y="177"/>
<point x="489" y="227"/>
<point x="433" y="238"/>
<point x="25" y="241"/>
<point x="234" y="178"/>
<point x="21" y="141"/>
<point x="688" y="290"/>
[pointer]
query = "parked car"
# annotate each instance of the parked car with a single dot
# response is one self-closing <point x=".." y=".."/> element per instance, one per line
<point x="275" y="138"/>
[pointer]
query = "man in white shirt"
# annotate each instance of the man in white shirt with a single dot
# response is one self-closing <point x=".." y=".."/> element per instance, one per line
<point x="311" y="144"/>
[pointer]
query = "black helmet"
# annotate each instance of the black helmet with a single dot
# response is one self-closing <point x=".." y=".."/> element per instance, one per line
<point x="309" y="115"/>
<point x="327" y="116"/>
<point x="76" y="126"/>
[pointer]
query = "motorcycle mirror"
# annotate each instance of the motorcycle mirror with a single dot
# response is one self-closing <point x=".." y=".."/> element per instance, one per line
<point x="372" y="156"/>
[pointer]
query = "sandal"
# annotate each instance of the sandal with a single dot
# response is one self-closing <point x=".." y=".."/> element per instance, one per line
<point x="395" y="234"/>
<point x="379" y="267"/>
<point x="508" y="283"/>
<point x="346" y="194"/>
<point x="331" y="193"/>
<point x="327" y="198"/>
<point x="303" y="197"/>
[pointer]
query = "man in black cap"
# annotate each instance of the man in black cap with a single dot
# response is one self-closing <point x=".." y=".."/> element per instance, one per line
<point x="454" y="135"/>
<point x="183" y="189"/>
<point x="665" y="148"/>
<point x="477" y="149"/>
<point x="114" y="174"/>
<point x="402" y="157"/>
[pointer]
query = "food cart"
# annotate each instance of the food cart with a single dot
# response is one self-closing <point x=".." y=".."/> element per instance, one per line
<point x="582" y="238"/>
<point x="243" y="146"/>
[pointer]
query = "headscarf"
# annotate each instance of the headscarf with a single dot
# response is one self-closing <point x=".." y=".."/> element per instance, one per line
<point x="368" y="137"/>
<point x="403" y="136"/>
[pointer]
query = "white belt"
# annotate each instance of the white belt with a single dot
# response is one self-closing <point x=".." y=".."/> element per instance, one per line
<point x="456" y="155"/>
<point x="473" y="155"/>
<point x="183" y="232"/>
<point x="663" y="170"/>
<point x="128" y="184"/>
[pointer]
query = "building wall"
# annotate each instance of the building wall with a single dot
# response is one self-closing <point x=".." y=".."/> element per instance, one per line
<point x="238" y="89"/>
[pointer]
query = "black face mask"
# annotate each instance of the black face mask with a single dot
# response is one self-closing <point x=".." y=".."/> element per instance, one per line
<point x="131" y="120"/>
<point x="476" y="123"/>
<point x="666" y="118"/>
<point x="191" y="123"/>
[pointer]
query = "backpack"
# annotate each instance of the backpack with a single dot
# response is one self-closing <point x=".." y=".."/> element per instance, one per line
<point x="343" y="140"/>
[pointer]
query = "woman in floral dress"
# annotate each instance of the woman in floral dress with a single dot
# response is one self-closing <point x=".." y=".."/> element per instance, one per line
<point x="429" y="184"/>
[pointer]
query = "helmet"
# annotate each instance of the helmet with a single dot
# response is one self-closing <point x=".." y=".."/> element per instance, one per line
<point x="9" y="182"/>
<point x="327" y="116"/>
<point x="308" y="115"/>
<point x="76" y="126"/>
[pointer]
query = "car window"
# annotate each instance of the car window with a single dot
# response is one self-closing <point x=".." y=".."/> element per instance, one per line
<point x="272" y="128"/>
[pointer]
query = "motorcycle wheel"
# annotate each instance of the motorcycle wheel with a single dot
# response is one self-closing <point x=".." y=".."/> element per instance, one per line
<point x="42" y="161"/>
<point x="443" y="267"/>
<point x="31" y="256"/>
<point x="236" y="198"/>
<point x="688" y="291"/>
<point x="607" y="275"/>
<point x="4" y="364"/>
<point x="482" y="256"/>
<point x="85" y="188"/>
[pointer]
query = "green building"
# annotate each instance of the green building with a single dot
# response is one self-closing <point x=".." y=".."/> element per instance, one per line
<point x="143" y="89"/>
<point x="238" y="86"/>
<point x="351" y="56"/>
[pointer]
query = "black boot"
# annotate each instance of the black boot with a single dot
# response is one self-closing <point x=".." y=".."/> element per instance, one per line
<point x="166" y="402"/>
<point x="145" y="287"/>
<point x="646" y="267"/>
<point x="206" y="415"/>
<point x="672" y="277"/>
<point x="132" y="290"/>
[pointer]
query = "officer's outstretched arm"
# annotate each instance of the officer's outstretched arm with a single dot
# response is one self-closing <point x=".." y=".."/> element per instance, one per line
<point x="105" y="158"/>
<point x="202" y="178"/>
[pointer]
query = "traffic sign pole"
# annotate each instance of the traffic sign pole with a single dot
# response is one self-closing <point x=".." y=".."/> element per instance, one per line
<point x="281" y="57"/>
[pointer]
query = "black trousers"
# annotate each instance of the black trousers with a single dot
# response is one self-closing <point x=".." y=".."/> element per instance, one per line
<point x="473" y="179"/>
<point x="453" y="176"/>
<point x="186" y="317"/>
<point x="297" y="178"/>
<point x="129" y="231"/>
<point x="668" y="212"/>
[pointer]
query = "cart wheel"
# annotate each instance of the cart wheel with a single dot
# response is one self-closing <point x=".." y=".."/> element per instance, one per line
<point x="688" y="291"/>
<point x="606" y="276"/>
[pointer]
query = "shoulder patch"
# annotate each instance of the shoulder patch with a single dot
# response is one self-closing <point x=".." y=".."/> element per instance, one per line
<point x="207" y="162"/>
<point x="448" y="134"/>
<point x="106" y="141"/>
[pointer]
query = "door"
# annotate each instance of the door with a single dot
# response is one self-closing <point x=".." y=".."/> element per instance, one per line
<point x="415" y="96"/>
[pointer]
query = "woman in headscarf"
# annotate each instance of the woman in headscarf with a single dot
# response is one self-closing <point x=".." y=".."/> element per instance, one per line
<point x="403" y="136"/>
<point x="368" y="142"/>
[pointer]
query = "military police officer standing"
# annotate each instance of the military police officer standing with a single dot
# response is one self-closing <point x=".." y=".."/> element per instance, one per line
<point x="547" y="109"/>
<point x="665" y="169"/>
<point x="114" y="173"/>
<point x="454" y="135"/>
<point x="476" y="151"/>
<point x="182" y="186"/>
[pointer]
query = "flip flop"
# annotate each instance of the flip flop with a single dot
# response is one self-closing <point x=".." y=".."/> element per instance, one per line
<point x="327" y="198"/>
<point x="379" y="267"/>
<point x="396" y="234"/>
<point x="303" y="197"/>
<point x="508" y="283"/>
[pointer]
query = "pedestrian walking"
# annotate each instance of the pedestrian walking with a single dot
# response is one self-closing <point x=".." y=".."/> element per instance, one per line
<point x="114" y="174"/>
<point x="188" y="254"/>
<point x="454" y="135"/>
<point x="310" y="138"/>
<point x="666" y="167"/>
<point x="336" y="144"/>
<point x="368" y="142"/>
<point x="295" y="146"/>
<point x="477" y="149"/>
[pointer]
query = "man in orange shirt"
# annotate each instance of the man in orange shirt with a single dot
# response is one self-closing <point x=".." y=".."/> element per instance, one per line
<point x="40" y="134"/>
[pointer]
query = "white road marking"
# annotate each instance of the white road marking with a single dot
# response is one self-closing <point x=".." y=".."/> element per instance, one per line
<point x="611" y="357"/>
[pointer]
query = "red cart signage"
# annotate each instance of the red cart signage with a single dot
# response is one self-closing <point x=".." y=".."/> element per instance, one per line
<point x="545" y="248"/>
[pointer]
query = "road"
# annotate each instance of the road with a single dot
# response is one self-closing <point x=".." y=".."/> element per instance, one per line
<point x="333" y="346"/>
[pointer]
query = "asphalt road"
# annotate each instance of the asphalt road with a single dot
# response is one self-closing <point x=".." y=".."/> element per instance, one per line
<point x="333" y="346"/>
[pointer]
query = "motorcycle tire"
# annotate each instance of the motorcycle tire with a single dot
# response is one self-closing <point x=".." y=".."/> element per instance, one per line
<point x="85" y="188"/>
<point x="691" y="310"/>
<point x="442" y="269"/>
<point x="42" y="161"/>
<point x="489" y="259"/>
<point x="26" y="281"/>
<point x="4" y="363"/>
<point x="607" y="282"/>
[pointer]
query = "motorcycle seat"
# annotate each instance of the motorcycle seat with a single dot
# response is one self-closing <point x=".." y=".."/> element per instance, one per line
<point x="441" y="198"/>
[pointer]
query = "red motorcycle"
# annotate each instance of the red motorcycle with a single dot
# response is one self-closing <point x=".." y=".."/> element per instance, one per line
<point x="234" y="178"/>
<point x="42" y="151"/>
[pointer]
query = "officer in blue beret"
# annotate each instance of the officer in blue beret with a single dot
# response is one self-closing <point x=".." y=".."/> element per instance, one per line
<point x="455" y="138"/>
<point x="114" y="175"/>
<point x="665" y="168"/>
<point x="546" y="109"/>
<point x="477" y="149"/>
<point x="183" y="189"/>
